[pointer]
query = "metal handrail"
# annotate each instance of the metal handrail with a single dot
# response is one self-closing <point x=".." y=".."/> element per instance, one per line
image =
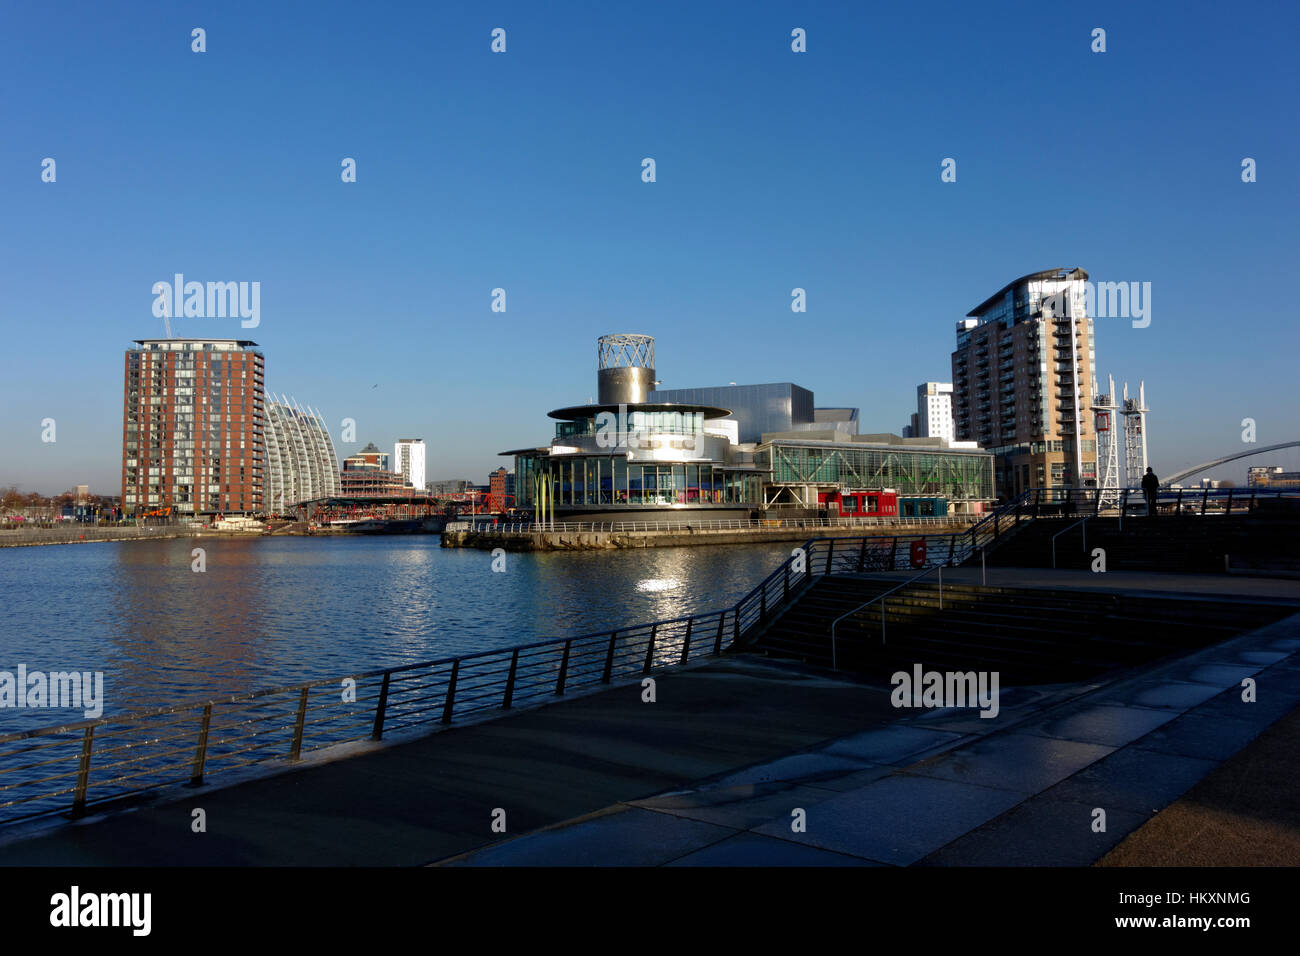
<point x="1081" y="521"/>
<point x="270" y="725"/>
<point x="881" y="599"/>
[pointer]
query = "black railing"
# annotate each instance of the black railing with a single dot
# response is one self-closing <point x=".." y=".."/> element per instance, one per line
<point x="72" y="767"/>
<point x="78" y="765"/>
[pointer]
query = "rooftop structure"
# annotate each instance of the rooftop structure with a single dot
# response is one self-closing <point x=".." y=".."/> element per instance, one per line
<point x="632" y="452"/>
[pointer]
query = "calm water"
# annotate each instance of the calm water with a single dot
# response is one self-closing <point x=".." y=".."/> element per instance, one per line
<point x="275" y="611"/>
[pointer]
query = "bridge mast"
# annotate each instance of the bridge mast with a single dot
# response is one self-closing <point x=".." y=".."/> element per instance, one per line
<point x="1104" y="424"/>
<point x="1135" y="434"/>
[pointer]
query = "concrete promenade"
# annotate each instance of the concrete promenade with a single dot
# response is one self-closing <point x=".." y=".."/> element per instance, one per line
<point x="947" y="790"/>
<point x="711" y="772"/>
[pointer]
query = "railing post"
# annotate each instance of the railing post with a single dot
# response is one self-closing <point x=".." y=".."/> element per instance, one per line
<point x="1205" y="497"/>
<point x="941" y="587"/>
<point x="1178" y="506"/>
<point x="510" y="680"/>
<point x="862" y="555"/>
<point x="686" y="641"/>
<point x="609" y="659"/>
<point x="717" y="641"/>
<point x="830" y="553"/>
<point x="564" y="670"/>
<point x="451" y="692"/>
<point x="381" y="708"/>
<point x="296" y="749"/>
<point x="786" y="585"/>
<point x="201" y="752"/>
<point x="1228" y="512"/>
<point x="882" y="619"/>
<point x="83" y="773"/>
<point x="952" y="547"/>
<point x="650" y="649"/>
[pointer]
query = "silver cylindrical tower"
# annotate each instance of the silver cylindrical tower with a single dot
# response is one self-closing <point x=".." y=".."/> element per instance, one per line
<point x="626" y="370"/>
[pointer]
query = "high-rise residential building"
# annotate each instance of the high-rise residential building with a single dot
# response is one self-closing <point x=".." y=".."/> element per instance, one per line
<point x="408" y="461"/>
<point x="300" y="460"/>
<point x="1023" y="377"/>
<point x="501" y="488"/>
<point x="192" y="427"/>
<point x="934" y="411"/>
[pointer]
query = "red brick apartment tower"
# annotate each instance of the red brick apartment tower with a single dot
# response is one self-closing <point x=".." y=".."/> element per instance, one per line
<point x="192" y="427"/>
<point x="497" y="489"/>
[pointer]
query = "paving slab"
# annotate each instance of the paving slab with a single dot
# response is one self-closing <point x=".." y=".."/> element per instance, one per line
<point x="1141" y="781"/>
<point x="806" y="767"/>
<point x="1166" y="694"/>
<point x="628" y="836"/>
<point x="755" y="850"/>
<point x="898" y="819"/>
<point x="1201" y="735"/>
<point x="899" y="744"/>
<point x="1106" y="724"/>
<point x="1245" y="812"/>
<point x="741" y="807"/>
<point x="1025" y="763"/>
<point x="1039" y="833"/>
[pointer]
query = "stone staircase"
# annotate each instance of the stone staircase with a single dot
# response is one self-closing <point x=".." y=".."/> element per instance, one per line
<point x="1185" y="543"/>
<point x="1029" y="635"/>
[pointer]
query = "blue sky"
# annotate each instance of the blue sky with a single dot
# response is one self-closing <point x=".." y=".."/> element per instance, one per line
<point x="522" y="171"/>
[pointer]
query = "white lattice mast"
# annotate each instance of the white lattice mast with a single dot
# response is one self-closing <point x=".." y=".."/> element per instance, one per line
<point x="1107" y="429"/>
<point x="1135" y="434"/>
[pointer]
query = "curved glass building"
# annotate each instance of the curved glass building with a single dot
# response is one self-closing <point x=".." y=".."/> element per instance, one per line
<point x="300" y="460"/>
<point x="625" y="457"/>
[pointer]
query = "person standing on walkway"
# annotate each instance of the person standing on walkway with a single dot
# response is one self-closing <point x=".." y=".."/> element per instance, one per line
<point x="1150" y="488"/>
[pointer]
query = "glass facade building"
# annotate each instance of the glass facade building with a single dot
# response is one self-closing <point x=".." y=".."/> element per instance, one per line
<point x="774" y="407"/>
<point x="630" y="453"/>
<point x="955" y="474"/>
<point x="605" y="480"/>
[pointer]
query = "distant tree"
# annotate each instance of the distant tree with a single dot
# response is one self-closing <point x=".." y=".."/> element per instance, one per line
<point x="1227" y="484"/>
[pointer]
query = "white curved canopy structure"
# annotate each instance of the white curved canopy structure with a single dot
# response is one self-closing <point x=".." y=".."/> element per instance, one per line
<point x="300" y="460"/>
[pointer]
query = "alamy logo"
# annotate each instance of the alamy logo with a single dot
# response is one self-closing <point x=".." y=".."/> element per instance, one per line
<point x="215" y="300"/>
<point x="102" y="909"/>
<point x="37" y="689"/>
<point x="623" y="431"/>
<point x="946" y="689"/>
<point x="1107" y="300"/>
